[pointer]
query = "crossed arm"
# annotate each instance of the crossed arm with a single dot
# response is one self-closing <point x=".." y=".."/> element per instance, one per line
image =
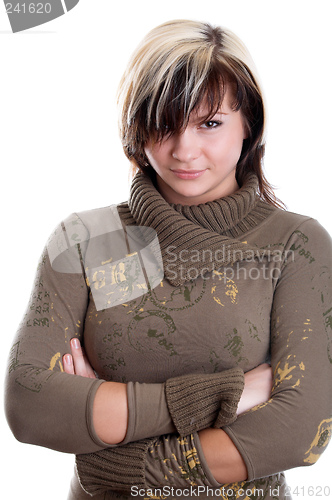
<point x="110" y="415"/>
<point x="293" y="426"/>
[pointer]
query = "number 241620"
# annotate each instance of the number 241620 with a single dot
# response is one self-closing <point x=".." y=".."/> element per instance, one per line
<point x="28" y="8"/>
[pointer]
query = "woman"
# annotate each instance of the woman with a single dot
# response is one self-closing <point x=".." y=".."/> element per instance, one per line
<point x="199" y="278"/>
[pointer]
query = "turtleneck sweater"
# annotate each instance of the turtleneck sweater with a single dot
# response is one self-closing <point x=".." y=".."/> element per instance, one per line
<point x="239" y="283"/>
<point x="214" y="226"/>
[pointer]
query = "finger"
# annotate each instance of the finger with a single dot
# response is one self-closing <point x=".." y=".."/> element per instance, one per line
<point x="78" y="358"/>
<point x="89" y="370"/>
<point x="68" y="365"/>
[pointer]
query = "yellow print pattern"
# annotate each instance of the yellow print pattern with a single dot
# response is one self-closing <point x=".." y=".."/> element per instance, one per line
<point x="54" y="360"/>
<point x="320" y="442"/>
<point x="188" y="467"/>
<point x="231" y="290"/>
<point x="288" y="370"/>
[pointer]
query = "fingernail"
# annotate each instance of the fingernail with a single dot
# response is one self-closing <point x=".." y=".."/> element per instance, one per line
<point x="68" y="359"/>
<point x="75" y="343"/>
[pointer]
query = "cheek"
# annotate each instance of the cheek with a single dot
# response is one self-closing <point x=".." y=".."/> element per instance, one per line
<point x="148" y="150"/>
<point x="234" y="143"/>
<point x="228" y="149"/>
<point x="157" y="155"/>
<point x="150" y="154"/>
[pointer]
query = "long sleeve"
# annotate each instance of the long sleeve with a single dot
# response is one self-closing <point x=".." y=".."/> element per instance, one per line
<point x="293" y="428"/>
<point x="183" y="404"/>
<point x="172" y="459"/>
<point x="44" y="405"/>
<point x="169" y="460"/>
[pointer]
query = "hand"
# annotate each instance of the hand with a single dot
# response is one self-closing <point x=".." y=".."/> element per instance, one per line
<point x="257" y="388"/>
<point x="110" y="406"/>
<point x="77" y="363"/>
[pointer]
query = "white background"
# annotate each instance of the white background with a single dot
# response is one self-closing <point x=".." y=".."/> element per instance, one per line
<point x="60" y="150"/>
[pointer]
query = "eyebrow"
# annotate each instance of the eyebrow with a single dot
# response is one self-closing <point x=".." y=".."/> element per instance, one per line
<point x="202" y="117"/>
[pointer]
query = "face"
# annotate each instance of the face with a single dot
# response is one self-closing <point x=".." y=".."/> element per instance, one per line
<point x="199" y="164"/>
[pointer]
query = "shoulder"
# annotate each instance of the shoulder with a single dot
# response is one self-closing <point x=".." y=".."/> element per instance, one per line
<point x="303" y="235"/>
<point x="98" y="221"/>
<point x="291" y="232"/>
<point x="75" y="233"/>
<point x="305" y="227"/>
<point x="283" y="224"/>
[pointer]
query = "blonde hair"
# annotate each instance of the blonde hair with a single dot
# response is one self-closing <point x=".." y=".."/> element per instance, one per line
<point x="176" y="67"/>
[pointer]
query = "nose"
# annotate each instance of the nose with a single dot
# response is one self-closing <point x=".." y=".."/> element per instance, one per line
<point x="185" y="146"/>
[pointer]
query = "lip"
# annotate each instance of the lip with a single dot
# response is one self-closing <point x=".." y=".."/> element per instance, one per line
<point x="188" y="174"/>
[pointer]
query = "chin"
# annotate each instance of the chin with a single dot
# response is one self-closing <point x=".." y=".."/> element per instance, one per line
<point x="189" y="194"/>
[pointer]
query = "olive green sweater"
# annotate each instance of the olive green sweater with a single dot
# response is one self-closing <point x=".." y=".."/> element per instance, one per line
<point x="232" y="283"/>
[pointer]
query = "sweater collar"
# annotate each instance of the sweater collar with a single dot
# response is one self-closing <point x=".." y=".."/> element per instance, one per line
<point x="195" y="240"/>
<point x="222" y="214"/>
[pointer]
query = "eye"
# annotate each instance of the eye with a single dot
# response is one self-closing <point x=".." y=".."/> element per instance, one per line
<point x="211" y="124"/>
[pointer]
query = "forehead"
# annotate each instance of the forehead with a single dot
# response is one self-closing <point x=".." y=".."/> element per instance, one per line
<point x="226" y="106"/>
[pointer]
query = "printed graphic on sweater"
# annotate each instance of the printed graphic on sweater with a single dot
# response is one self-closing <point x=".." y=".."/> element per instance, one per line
<point x="183" y="464"/>
<point x="288" y="370"/>
<point x="320" y="442"/>
<point x="164" y="326"/>
<point x="30" y="377"/>
<point x="261" y="489"/>
<point x="179" y="298"/>
<point x="227" y="295"/>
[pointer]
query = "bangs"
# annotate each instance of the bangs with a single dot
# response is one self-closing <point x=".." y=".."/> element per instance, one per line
<point x="168" y="110"/>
